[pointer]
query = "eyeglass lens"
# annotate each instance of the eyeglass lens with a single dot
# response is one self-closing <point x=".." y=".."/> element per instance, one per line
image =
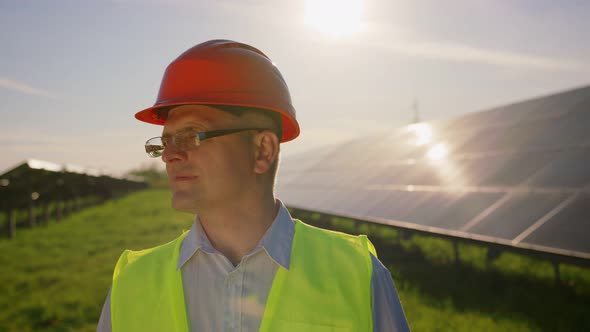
<point x="183" y="140"/>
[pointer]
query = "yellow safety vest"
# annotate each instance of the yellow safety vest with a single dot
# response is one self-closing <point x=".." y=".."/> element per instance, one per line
<point x="327" y="287"/>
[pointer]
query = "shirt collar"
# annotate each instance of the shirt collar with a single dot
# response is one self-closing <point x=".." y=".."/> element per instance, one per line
<point x="276" y="242"/>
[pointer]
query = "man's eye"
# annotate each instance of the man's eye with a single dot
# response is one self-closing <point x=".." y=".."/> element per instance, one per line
<point x="186" y="141"/>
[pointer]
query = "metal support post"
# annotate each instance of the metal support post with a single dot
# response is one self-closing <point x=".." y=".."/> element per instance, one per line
<point x="46" y="214"/>
<point x="456" y="251"/>
<point x="557" y="273"/>
<point x="32" y="220"/>
<point x="10" y="223"/>
<point x="58" y="210"/>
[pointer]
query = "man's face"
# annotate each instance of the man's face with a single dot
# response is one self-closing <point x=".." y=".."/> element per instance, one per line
<point x="218" y="171"/>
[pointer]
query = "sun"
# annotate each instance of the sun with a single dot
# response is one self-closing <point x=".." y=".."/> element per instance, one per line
<point x="334" y="18"/>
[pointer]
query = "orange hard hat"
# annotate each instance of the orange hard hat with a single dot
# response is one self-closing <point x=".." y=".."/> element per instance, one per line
<point x="224" y="72"/>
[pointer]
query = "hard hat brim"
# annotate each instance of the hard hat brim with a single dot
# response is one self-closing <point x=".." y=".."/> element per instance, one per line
<point x="155" y="115"/>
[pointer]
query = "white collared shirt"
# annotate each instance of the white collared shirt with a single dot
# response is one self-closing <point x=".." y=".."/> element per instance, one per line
<point x="222" y="297"/>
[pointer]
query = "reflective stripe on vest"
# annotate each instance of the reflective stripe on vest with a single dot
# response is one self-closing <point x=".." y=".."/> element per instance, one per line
<point x="327" y="287"/>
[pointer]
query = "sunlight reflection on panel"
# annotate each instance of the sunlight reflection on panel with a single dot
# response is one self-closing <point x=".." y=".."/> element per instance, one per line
<point x="438" y="152"/>
<point x="334" y="18"/>
<point x="422" y="132"/>
<point x="445" y="168"/>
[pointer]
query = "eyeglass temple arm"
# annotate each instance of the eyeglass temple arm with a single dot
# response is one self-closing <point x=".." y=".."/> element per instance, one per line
<point x="216" y="133"/>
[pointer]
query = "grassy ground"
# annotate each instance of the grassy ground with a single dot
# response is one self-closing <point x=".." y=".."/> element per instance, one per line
<point x="55" y="278"/>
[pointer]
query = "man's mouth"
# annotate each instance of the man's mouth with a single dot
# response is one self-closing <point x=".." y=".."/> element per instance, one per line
<point x="183" y="177"/>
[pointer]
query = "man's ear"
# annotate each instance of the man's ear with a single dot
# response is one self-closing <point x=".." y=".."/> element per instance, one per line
<point x="267" y="150"/>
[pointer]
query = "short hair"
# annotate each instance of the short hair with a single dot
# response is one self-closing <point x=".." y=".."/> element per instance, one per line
<point x="276" y="117"/>
<point x="238" y="111"/>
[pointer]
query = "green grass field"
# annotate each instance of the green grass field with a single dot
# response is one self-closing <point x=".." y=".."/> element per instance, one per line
<point x="55" y="278"/>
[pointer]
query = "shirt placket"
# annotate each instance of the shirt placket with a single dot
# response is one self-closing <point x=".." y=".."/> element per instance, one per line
<point x="233" y="306"/>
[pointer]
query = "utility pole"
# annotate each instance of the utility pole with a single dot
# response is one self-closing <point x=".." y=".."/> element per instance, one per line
<point x="416" y="111"/>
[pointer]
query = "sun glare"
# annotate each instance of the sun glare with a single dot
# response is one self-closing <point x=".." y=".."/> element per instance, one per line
<point x="334" y="18"/>
<point x="423" y="133"/>
<point x="438" y="152"/>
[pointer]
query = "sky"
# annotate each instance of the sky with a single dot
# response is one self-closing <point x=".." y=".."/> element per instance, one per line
<point x="73" y="73"/>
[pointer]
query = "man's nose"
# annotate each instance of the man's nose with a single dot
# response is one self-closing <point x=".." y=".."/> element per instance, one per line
<point x="171" y="154"/>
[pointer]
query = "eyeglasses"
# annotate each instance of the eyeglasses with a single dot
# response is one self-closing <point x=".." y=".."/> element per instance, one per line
<point x="186" y="140"/>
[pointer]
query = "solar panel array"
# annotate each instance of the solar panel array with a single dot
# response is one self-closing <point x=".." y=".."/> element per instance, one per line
<point x="46" y="181"/>
<point x="517" y="175"/>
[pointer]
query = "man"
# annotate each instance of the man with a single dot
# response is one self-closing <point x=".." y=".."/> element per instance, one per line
<point x="245" y="265"/>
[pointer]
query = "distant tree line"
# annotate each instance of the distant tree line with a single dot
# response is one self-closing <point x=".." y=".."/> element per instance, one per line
<point x="155" y="176"/>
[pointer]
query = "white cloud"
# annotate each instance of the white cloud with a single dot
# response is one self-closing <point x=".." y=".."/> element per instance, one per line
<point x="402" y="41"/>
<point x="466" y="53"/>
<point x="24" y="88"/>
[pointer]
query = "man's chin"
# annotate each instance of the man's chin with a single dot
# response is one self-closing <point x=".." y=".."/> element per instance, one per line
<point x="184" y="204"/>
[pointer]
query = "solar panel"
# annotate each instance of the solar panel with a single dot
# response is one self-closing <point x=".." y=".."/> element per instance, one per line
<point x="569" y="229"/>
<point x="571" y="168"/>
<point x="482" y="139"/>
<point x="517" y="168"/>
<point x="467" y="207"/>
<point x="517" y="214"/>
<point x="517" y="174"/>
